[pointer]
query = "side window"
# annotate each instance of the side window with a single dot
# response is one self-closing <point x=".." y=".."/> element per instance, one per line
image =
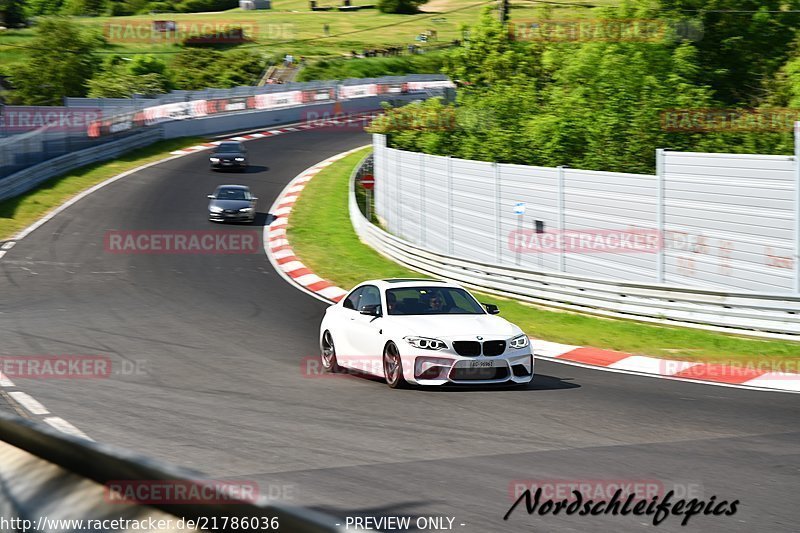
<point x="351" y="302"/>
<point x="370" y="295"/>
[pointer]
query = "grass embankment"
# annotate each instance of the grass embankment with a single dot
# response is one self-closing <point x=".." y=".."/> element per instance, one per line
<point x="322" y="236"/>
<point x="291" y="27"/>
<point x="18" y="213"/>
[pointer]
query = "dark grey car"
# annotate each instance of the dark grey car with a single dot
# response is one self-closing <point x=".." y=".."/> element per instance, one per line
<point x="232" y="202"/>
<point x="229" y="154"/>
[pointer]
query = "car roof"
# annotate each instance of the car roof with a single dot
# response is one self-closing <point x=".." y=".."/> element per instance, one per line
<point x="402" y="283"/>
<point x="233" y="187"/>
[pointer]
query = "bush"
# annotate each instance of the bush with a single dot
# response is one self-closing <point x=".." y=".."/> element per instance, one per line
<point x="373" y="67"/>
<point x="405" y="7"/>
<point x="197" y="6"/>
<point x="88" y="8"/>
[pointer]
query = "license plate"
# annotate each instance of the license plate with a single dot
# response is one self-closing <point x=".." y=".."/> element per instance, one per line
<point x="481" y="364"/>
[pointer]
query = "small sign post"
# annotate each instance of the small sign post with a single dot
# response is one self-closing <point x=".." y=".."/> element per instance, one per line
<point x="368" y="182"/>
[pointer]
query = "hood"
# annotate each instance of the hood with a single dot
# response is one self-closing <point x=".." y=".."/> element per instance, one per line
<point x="450" y="326"/>
<point x="230" y="204"/>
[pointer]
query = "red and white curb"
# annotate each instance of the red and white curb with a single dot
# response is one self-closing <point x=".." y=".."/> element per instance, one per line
<point x="290" y="267"/>
<point x="277" y="246"/>
<point x="310" y="125"/>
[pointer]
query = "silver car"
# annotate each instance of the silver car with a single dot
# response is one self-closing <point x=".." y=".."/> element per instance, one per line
<point x="232" y="202"/>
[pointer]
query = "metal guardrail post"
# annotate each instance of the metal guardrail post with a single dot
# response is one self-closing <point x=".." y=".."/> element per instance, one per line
<point x="660" y="210"/>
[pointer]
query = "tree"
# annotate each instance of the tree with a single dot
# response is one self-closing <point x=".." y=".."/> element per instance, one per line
<point x="38" y="8"/>
<point x="90" y="8"/>
<point x="61" y="60"/>
<point x="120" y="83"/>
<point x="196" y="68"/>
<point x="123" y="77"/>
<point x="12" y="13"/>
<point x="241" y="67"/>
<point x="743" y="42"/>
<point x="405" y="7"/>
<point x="490" y="56"/>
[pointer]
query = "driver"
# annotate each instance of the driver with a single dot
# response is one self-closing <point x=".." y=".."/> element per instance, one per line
<point x="436" y="303"/>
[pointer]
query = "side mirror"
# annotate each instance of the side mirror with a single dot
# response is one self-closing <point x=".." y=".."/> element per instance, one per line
<point x="491" y="309"/>
<point x="371" y="310"/>
<point x="211" y="196"/>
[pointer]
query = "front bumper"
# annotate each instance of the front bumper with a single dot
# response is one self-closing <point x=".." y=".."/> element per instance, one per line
<point x="228" y="164"/>
<point x="233" y="217"/>
<point x="442" y="367"/>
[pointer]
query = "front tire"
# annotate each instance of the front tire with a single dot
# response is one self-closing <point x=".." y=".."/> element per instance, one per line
<point x="329" y="363"/>
<point x="393" y="367"/>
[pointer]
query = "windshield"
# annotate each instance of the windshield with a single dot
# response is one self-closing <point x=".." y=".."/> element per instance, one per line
<point x="233" y="194"/>
<point x="228" y="147"/>
<point x="431" y="301"/>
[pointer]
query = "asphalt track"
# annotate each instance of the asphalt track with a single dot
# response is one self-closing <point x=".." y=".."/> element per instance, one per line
<point x="221" y="340"/>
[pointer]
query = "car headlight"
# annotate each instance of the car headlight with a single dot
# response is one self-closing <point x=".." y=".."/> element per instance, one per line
<point x="215" y="209"/>
<point x="426" y="343"/>
<point x="240" y="158"/>
<point x="520" y="341"/>
<point x="245" y="209"/>
<point x="214" y="159"/>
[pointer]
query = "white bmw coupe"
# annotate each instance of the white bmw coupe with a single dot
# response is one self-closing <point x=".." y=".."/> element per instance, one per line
<point x="423" y="332"/>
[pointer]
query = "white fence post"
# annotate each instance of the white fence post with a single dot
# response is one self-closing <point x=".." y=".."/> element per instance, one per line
<point x="450" y="245"/>
<point x="562" y="216"/>
<point x="422" y="218"/>
<point x="660" y="214"/>
<point x="497" y="216"/>
<point x="797" y="207"/>
<point x="399" y="191"/>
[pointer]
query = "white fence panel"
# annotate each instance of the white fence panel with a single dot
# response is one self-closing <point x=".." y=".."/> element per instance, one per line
<point x="730" y="220"/>
<point x="724" y="220"/>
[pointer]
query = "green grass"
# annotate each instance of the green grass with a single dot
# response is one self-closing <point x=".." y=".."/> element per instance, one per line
<point x="322" y="236"/>
<point x="290" y="27"/>
<point x="18" y="213"/>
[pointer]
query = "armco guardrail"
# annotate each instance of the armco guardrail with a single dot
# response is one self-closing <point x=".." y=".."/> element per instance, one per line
<point x="365" y="97"/>
<point x="28" y="178"/>
<point x="32" y="134"/>
<point x="47" y="476"/>
<point x="766" y="315"/>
